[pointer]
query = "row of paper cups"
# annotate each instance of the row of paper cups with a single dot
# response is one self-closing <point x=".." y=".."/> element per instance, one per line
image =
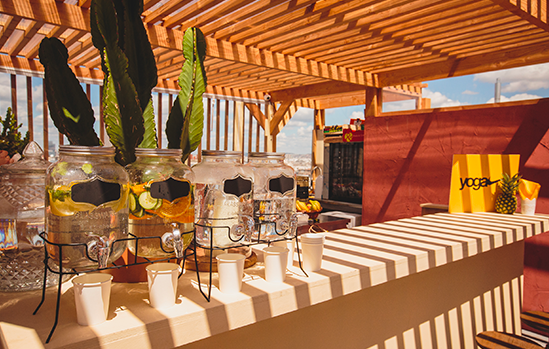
<point x="230" y="266"/>
<point x="92" y="291"/>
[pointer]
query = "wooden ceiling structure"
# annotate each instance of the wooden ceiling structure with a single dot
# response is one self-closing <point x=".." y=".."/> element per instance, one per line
<point x="322" y="53"/>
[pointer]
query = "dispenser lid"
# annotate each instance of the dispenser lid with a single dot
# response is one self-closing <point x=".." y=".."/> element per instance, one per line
<point x="32" y="162"/>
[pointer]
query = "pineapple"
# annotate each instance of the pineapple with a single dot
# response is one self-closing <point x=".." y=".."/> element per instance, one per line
<point x="506" y="202"/>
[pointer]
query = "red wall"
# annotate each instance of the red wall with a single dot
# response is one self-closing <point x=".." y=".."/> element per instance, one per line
<point x="408" y="157"/>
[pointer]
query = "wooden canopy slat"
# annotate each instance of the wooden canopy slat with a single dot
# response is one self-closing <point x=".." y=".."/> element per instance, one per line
<point x="360" y="19"/>
<point x="261" y="46"/>
<point x="251" y="16"/>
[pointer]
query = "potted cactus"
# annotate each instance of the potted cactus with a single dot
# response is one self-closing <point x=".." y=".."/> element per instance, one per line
<point x="130" y="74"/>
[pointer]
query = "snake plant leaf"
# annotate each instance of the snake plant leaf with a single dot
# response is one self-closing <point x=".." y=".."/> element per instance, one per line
<point x="66" y="96"/>
<point x="124" y="116"/>
<point x="186" y="120"/>
<point x="149" y="138"/>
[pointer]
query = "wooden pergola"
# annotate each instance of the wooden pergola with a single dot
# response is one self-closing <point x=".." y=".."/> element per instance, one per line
<point x="304" y="53"/>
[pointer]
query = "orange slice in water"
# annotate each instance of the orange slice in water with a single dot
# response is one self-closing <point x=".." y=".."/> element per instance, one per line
<point x="186" y="217"/>
<point x="175" y="208"/>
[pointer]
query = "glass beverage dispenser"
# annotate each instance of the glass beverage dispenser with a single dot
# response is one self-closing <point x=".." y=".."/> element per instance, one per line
<point x="161" y="203"/>
<point x="22" y="187"/>
<point x="224" y="205"/>
<point x="274" y="196"/>
<point x="86" y="207"/>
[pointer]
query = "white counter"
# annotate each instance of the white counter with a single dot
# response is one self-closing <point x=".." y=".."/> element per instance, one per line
<point x="408" y="283"/>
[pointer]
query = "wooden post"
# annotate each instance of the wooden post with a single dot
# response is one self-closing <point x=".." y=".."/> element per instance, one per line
<point x="268" y="136"/>
<point x="208" y="123"/>
<point x="14" y="96"/>
<point x="238" y="131"/>
<point x="29" y="108"/>
<point x="250" y="134"/>
<point x="218" y="122"/>
<point x="374" y="101"/>
<point x="319" y="122"/>
<point x="226" y="138"/>
<point x="45" y="119"/>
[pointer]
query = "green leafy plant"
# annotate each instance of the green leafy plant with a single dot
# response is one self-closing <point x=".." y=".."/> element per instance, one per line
<point x="10" y="138"/>
<point x="186" y="120"/>
<point x="130" y="74"/>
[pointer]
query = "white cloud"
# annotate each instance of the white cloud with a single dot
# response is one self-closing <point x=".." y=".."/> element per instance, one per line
<point x="408" y="104"/>
<point x="467" y="92"/>
<point x="522" y="79"/>
<point x="517" y="97"/>
<point x="357" y="115"/>
<point x="438" y="100"/>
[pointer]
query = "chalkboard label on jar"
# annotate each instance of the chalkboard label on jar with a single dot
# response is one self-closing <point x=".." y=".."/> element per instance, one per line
<point x="96" y="192"/>
<point x="170" y="189"/>
<point x="281" y="184"/>
<point x="237" y="186"/>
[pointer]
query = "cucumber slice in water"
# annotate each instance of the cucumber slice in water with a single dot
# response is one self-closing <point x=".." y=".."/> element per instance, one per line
<point x="158" y="204"/>
<point x="133" y="203"/>
<point x="139" y="213"/>
<point x="148" y="202"/>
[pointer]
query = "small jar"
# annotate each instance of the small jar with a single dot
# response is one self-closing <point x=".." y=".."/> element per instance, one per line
<point x="223" y="205"/>
<point x="86" y="207"/>
<point x="161" y="203"/>
<point x="274" y="196"/>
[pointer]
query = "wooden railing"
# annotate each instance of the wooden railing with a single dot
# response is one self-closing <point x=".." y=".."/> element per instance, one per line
<point x="228" y="124"/>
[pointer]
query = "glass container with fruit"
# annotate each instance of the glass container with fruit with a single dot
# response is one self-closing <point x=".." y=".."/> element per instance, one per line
<point x="274" y="196"/>
<point x="86" y="207"/>
<point x="161" y="203"/>
<point x="224" y="205"/>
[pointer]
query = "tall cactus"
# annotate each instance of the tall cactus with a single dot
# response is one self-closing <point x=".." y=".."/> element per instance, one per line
<point x="70" y="109"/>
<point x="186" y="120"/>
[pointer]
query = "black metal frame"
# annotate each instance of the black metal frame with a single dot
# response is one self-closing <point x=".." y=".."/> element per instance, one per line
<point x="62" y="272"/>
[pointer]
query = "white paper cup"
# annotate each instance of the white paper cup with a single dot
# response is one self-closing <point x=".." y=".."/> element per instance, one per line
<point x="162" y="280"/>
<point x="275" y="258"/>
<point x="528" y="206"/>
<point x="312" y="246"/>
<point x="230" y="267"/>
<point x="92" y="293"/>
<point x="290" y="245"/>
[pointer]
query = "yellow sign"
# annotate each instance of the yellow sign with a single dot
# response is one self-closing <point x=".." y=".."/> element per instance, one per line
<point x="474" y="180"/>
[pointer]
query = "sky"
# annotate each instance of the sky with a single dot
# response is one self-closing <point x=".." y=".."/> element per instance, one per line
<point x="530" y="82"/>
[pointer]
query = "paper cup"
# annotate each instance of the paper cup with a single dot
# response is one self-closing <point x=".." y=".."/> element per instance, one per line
<point x="312" y="246"/>
<point x="162" y="280"/>
<point x="230" y="267"/>
<point x="275" y="258"/>
<point x="92" y="293"/>
<point x="290" y="245"/>
<point x="528" y="206"/>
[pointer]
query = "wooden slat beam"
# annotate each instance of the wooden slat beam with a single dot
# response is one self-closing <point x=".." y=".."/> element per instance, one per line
<point x="539" y="18"/>
<point x="170" y="38"/>
<point x="315" y="90"/>
<point x="8" y="30"/>
<point x="279" y="115"/>
<point x="27" y="36"/>
<point x="48" y="11"/>
<point x="529" y="55"/>
<point x="256" y="112"/>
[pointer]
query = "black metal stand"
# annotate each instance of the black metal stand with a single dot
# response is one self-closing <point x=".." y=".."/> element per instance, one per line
<point x="211" y="248"/>
<point x="58" y="269"/>
<point x="64" y="271"/>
